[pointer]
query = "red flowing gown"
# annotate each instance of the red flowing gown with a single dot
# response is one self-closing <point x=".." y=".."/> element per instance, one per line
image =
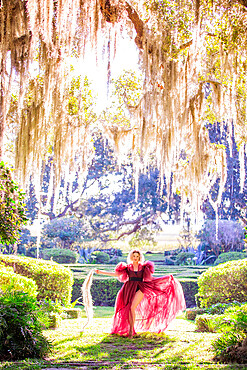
<point x="163" y="299"/>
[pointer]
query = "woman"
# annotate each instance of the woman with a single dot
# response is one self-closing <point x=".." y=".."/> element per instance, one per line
<point x="144" y="303"/>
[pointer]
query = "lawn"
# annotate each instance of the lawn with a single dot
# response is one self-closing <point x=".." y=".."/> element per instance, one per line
<point x="180" y="347"/>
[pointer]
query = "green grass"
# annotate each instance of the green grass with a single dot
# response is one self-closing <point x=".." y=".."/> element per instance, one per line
<point x="180" y="347"/>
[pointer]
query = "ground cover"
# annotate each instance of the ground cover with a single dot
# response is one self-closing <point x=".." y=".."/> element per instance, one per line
<point x="180" y="347"/>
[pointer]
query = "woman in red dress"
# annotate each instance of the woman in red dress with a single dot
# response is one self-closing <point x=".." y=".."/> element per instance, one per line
<point x="144" y="303"/>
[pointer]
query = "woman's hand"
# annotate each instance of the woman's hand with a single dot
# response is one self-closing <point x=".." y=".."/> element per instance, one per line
<point x="96" y="271"/>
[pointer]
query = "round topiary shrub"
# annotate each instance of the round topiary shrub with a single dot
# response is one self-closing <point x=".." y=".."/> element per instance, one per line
<point x="54" y="281"/>
<point x="100" y="257"/>
<point x="229" y="256"/>
<point x="184" y="258"/>
<point x="60" y="255"/>
<point x="9" y="280"/>
<point x="223" y="283"/>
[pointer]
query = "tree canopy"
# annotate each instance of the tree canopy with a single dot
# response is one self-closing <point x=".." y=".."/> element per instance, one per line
<point x="193" y="56"/>
<point x="12" y="207"/>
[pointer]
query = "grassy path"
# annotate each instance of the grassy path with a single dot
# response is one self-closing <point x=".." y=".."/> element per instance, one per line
<point x="180" y="347"/>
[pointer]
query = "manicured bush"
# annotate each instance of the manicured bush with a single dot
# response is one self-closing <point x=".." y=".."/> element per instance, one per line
<point x="114" y="260"/>
<point x="9" y="280"/>
<point x="184" y="258"/>
<point x="229" y="256"/>
<point x="20" y="330"/>
<point x="53" y="280"/>
<point x="100" y="257"/>
<point x="223" y="283"/>
<point x="190" y="289"/>
<point x="104" y="291"/>
<point x="60" y="255"/>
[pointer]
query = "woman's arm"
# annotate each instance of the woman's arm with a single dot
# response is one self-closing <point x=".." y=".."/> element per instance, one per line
<point x="101" y="272"/>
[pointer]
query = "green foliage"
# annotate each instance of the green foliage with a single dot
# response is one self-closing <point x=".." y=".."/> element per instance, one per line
<point x="48" y="306"/>
<point x="185" y="258"/>
<point x="231" y="345"/>
<point x="223" y="283"/>
<point x="223" y="345"/>
<point x="143" y="239"/>
<point x="128" y="88"/>
<point x="104" y="291"/>
<point x="190" y="289"/>
<point x="99" y="257"/>
<point x="73" y="313"/>
<point x="216" y="309"/>
<point x="9" y="280"/>
<point x="191" y="313"/>
<point x="50" y="313"/>
<point x="204" y="323"/>
<point x="172" y="15"/>
<point x="60" y="255"/>
<point x="229" y="256"/>
<point x="81" y="102"/>
<point x="20" y="330"/>
<point x="12" y="208"/>
<point x="55" y="321"/>
<point x="53" y="280"/>
<point x="67" y="229"/>
<point x="220" y="308"/>
<point x="230" y="236"/>
<point x="236" y="317"/>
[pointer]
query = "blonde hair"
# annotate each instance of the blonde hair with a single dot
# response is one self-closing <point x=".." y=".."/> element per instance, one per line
<point x="130" y="255"/>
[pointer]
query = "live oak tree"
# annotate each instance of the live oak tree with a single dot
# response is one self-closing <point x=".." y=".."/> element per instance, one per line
<point x="107" y="205"/>
<point x="121" y="203"/>
<point x="193" y="56"/>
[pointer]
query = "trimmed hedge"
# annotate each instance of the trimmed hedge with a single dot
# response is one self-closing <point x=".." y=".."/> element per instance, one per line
<point x="229" y="256"/>
<point x="104" y="291"/>
<point x="60" y="255"/>
<point x="9" y="280"/>
<point x="53" y="280"/>
<point x="190" y="289"/>
<point x="224" y="283"/>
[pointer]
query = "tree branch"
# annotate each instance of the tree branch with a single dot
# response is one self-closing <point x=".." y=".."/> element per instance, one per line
<point x="138" y="24"/>
<point x="110" y="14"/>
<point x="138" y="223"/>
